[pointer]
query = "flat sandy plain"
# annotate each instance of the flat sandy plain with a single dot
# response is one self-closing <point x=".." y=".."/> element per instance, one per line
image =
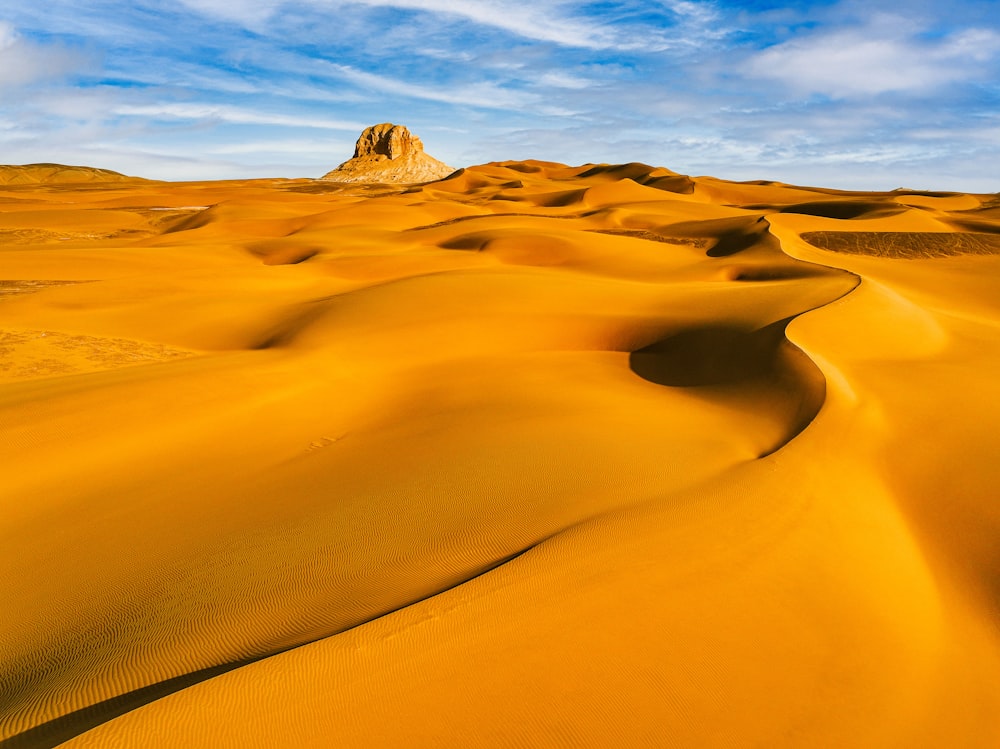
<point x="533" y="456"/>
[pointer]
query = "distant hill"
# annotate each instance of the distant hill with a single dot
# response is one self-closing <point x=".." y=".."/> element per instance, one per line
<point x="38" y="174"/>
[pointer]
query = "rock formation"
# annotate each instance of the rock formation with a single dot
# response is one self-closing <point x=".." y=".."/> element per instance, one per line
<point x="389" y="153"/>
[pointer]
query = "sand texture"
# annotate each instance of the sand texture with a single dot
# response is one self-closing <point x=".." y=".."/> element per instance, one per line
<point x="534" y="455"/>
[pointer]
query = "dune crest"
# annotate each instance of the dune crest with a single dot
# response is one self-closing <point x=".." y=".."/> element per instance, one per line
<point x="528" y="455"/>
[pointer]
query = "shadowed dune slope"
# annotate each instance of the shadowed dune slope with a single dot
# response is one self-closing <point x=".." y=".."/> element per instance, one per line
<point x="533" y="455"/>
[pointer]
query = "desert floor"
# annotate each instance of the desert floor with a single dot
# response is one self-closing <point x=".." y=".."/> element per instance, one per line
<point x="532" y="456"/>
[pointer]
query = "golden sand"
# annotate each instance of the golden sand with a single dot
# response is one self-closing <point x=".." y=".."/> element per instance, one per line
<point x="532" y="456"/>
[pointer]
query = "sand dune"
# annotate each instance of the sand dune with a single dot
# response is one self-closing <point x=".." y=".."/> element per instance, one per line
<point x="534" y="455"/>
<point x="59" y="174"/>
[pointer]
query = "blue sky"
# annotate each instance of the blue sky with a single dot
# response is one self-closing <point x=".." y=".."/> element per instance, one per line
<point x="841" y="93"/>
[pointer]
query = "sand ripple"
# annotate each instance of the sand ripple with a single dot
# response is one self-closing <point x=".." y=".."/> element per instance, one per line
<point x="903" y="245"/>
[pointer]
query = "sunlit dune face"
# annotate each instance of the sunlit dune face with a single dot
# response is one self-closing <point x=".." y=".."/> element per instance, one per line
<point x="532" y="455"/>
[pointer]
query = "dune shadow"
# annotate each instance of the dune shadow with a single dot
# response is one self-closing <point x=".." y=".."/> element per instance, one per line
<point x="973" y="226"/>
<point x="60" y="730"/>
<point x="559" y="199"/>
<point x="708" y="355"/>
<point x="742" y="235"/>
<point x="728" y="236"/>
<point x="760" y="369"/>
<point x="775" y="272"/>
<point x="846" y="209"/>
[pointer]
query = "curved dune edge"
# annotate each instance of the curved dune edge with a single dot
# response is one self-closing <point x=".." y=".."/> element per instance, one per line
<point x="756" y="367"/>
<point x="525" y="427"/>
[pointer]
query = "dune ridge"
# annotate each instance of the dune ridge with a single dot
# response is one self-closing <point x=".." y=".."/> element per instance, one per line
<point x="529" y="455"/>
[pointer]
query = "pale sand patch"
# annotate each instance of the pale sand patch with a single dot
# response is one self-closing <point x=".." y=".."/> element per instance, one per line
<point x="28" y="354"/>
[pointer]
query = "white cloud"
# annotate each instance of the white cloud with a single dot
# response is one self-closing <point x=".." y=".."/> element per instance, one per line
<point x="978" y="45"/>
<point x="22" y="62"/>
<point x="311" y="147"/>
<point x="234" y="115"/>
<point x="885" y="56"/>
<point x="8" y="35"/>
<point x="559" y="79"/>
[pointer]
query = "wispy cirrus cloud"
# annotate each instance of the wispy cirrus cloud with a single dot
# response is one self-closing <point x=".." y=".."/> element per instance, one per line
<point x="237" y="115"/>
<point x="539" y="21"/>
<point x="483" y="94"/>
<point x="593" y="25"/>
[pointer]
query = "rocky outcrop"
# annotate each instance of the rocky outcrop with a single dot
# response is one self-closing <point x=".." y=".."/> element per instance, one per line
<point x="389" y="153"/>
